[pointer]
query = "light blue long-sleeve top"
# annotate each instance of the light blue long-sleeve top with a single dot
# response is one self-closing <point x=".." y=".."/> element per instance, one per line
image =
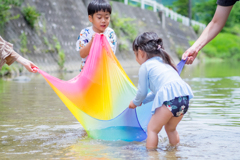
<point x="163" y="81"/>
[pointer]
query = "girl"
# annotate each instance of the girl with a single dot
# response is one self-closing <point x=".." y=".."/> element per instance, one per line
<point x="170" y="94"/>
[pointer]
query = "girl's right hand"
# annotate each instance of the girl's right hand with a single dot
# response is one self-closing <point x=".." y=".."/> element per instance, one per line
<point x="132" y="105"/>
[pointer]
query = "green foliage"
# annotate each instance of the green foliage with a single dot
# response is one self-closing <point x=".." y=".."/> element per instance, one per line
<point x="149" y="8"/>
<point x="5" y="15"/>
<point x="179" y="20"/>
<point x="49" y="46"/>
<point x="118" y="1"/>
<point x="61" y="60"/>
<point x="181" y="7"/>
<point x="196" y="28"/>
<point x="234" y="17"/>
<point x="31" y="15"/>
<point x="124" y="26"/>
<point x="205" y="10"/>
<point x="123" y="45"/>
<point x="225" y="46"/>
<point x="235" y="29"/>
<point x="23" y="43"/>
<point x="34" y="47"/>
<point x="61" y="54"/>
<point x="179" y="52"/>
<point x="41" y="26"/>
<point x="134" y="4"/>
<point x="5" y="70"/>
<point x="191" y="43"/>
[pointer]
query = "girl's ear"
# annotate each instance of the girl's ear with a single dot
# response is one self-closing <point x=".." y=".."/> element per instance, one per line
<point x="141" y="53"/>
<point x="90" y="18"/>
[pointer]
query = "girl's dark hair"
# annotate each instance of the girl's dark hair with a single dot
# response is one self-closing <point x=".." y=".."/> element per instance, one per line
<point x="150" y="43"/>
<point x="98" y="5"/>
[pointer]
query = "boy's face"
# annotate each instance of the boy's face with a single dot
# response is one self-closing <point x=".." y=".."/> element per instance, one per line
<point x="100" y="21"/>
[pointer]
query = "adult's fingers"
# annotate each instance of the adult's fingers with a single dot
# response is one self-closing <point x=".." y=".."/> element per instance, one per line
<point x="185" y="55"/>
<point x="28" y="67"/>
<point x="190" y="60"/>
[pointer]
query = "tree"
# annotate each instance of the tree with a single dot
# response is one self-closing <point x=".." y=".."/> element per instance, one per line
<point x="181" y="7"/>
<point x="204" y="10"/>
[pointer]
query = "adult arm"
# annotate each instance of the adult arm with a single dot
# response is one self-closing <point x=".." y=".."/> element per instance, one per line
<point x="210" y="32"/>
<point x="8" y="56"/>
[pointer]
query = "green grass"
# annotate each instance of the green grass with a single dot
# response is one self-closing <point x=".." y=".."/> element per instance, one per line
<point x="125" y="29"/>
<point x="31" y="15"/>
<point x="225" y="46"/>
<point x="61" y="54"/>
<point x="23" y="42"/>
<point x="196" y="28"/>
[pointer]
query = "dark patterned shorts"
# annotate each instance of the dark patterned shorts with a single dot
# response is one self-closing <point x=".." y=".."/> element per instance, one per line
<point x="178" y="106"/>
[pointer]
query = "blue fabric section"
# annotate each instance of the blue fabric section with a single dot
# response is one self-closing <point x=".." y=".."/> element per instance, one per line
<point x="180" y="65"/>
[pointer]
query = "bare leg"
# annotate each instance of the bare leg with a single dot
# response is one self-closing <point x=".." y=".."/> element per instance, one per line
<point x="158" y="120"/>
<point x="172" y="133"/>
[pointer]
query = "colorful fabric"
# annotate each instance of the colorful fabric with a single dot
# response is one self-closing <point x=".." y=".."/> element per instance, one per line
<point x="99" y="97"/>
<point x="178" y="106"/>
<point x="85" y="37"/>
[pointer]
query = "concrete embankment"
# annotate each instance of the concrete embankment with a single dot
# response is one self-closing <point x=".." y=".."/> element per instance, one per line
<point x="64" y="20"/>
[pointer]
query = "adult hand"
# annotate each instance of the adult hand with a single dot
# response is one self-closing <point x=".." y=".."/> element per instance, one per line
<point x="132" y="105"/>
<point x="191" y="54"/>
<point x="30" y="66"/>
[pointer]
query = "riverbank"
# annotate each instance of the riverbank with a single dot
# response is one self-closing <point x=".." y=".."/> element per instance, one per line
<point x="61" y="22"/>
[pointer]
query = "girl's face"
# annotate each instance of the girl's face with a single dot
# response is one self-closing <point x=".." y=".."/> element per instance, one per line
<point x="141" y="56"/>
<point x="100" y="21"/>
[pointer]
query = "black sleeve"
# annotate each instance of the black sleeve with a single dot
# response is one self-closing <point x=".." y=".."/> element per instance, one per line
<point x="226" y="2"/>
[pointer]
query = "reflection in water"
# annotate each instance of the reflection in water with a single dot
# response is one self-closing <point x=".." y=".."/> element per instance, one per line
<point x="34" y="123"/>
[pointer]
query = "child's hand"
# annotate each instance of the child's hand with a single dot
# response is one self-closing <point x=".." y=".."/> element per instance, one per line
<point x="132" y="105"/>
<point x="93" y="36"/>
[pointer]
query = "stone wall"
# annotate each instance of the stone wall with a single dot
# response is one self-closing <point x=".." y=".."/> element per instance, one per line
<point x="65" y="18"/>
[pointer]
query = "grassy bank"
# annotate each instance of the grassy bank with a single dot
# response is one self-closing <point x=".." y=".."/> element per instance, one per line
<point x="224" y="46"/>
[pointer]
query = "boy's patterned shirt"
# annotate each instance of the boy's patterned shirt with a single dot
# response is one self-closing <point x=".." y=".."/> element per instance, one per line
<point x="86" y="34"/>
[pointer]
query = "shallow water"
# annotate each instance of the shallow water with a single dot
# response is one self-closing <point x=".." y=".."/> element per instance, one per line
<point x="35" y="124"/>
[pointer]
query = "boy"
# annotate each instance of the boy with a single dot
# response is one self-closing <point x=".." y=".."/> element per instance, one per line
<point x="99" y="12"/>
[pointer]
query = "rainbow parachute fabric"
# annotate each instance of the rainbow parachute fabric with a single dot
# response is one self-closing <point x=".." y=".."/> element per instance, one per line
<point x="99" y="97"/>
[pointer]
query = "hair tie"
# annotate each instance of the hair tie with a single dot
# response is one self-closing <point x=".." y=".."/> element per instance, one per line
<point x="159" y="47"/>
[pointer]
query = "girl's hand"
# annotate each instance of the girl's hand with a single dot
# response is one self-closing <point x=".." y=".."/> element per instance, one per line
<point x="132" y="105"/>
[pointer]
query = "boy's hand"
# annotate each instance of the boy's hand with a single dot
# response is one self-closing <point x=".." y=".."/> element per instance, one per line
<point x="132" y="105"/>
<point x="93" y="36"/>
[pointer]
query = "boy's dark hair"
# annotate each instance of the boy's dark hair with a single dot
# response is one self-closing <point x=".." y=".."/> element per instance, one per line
<point x="150" y="43"/>
<point x="98" y="5"/>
